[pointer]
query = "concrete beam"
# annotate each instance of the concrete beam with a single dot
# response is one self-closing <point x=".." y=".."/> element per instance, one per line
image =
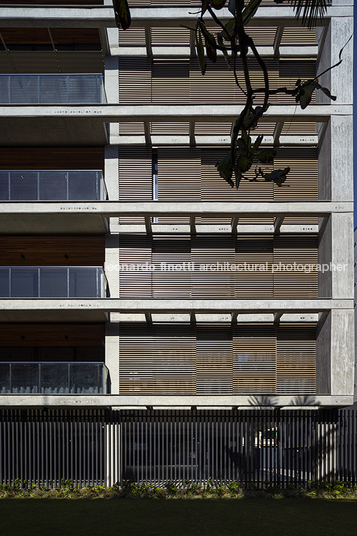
<point x="142" y="401"/>
<point x="218" y="229"/>
<point x="10" y="307"/>
<point x="103" y="16"/>
<point x="113" y="113"/>
<point x="82" y="124"/>
<point x="92" y="217"/>
<point x="208" y="209"/>
<point x="296" y="51"/>
<point x="211" y="139"/>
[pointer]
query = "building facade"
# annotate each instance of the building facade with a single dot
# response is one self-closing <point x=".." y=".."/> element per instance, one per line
<point x="132" y="277"/>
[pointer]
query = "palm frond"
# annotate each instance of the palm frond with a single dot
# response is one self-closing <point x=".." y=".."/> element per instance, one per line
<point x="310" y="11"/>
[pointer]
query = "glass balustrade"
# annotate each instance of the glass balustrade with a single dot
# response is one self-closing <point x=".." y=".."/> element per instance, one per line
<point x="53" y="378"/>
<point x="79" y="185"/>
<point x="52" y="282"/>
<point x="51" y="89"/>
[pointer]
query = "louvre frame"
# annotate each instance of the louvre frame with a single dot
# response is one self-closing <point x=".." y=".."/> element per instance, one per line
<point x="217" y="359"/>
<point x="166" y="266"/>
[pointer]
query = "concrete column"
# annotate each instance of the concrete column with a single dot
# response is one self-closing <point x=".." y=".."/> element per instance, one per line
<point x="336" y="141"/>
<point x="342" y="278"/>
<point x="111" y="80"/>
<point x="342" y="352"/>
<point x="112" y="327"/>
<point x="111" y="177"/>
<point x="323" y="356"/>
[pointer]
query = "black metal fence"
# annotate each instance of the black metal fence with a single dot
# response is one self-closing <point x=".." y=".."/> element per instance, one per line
<point x="91" y="447"/>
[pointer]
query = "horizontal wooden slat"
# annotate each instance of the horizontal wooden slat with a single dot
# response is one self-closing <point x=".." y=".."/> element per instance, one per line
<point x="59" y="334"/>
<point x="212" y="359"/>
<point x="296" y="364"/>
<point x="135" y="176"/>
<point x="37" y="158"/>
<point x="296" y="255"/>
<point x="47" y="250"/>
<point x="294" y="259"/>
<point x="41" y="36"/>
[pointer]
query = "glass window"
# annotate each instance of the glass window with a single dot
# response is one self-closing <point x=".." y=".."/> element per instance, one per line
<point x="4" y="283"/>
<point x="83" y="283"/>
<point x="4" y="89"/>
<point x="53" y="185"/>
<point x="24" y="283"/>
<point x="4" y="186"/>
<point x="53" y="89"/>
<point x="5" y="378"/>
<point x="53" y="283"/>
<point x="24" y="378"/>
<point x="83" y="185"/>
<point x="54" y="378"/>
<point x="86" y="378"/>
<point x="24" y="89"/>
<point x="23" y="185"/>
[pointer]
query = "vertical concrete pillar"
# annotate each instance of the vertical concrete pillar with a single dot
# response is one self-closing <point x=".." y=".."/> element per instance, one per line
<point x="335" y="339"/>
<point x="342" y="352"/>
<point x="112" y="326"/>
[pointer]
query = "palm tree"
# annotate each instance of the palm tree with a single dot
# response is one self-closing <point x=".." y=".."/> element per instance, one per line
<point x="309" y="10"/>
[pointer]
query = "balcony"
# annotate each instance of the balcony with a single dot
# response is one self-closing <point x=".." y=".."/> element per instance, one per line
<point x="53" y="378"/>
<point x="79" y="185"/>
<point x="51" y="89"/>
<point x="52" y="282"/>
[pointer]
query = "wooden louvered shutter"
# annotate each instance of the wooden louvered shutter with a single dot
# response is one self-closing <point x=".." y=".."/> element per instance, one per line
<point x="174" y="3"/>
<point x="134" y="80"/>
<point x="262" y="35"/>
<point x="254" y="359"/>
<point x="52" y="250"/>
<point x="135" y="176"/>
<point x="173" y="359"/>
<point x="179" y="175"/>
<point x="169" y="251"/>
<point x="295" y="281"/>
<point x="290" y="70"/>
<point x="216" y="86"/>
<point x="212" y="282"/>
<point x="46" y="158"/>
<point x="170" y="81"/>
<point x="134" y="249"/>
<point x="296" y="359"/>
<point x="171" y="128"/>
<point x="136" y="356"/>
<point x="132" y="37"/>
<point x="302" y="180"/>
<point x="257" y="78"/>
<point x="298" y="36"/>
<point x="161" y="36"/>
<point x="213" y="187"/>
<point x="134" y="85"/>
<point x="256" y="252"/>
<point x="214" y="360"/>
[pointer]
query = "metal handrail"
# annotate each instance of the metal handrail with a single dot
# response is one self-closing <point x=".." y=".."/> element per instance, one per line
<point x="37" y="387"/>
<point x="101" y="282"/>
<point x="20" y="95"/>
<point x="6" y="193"/>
